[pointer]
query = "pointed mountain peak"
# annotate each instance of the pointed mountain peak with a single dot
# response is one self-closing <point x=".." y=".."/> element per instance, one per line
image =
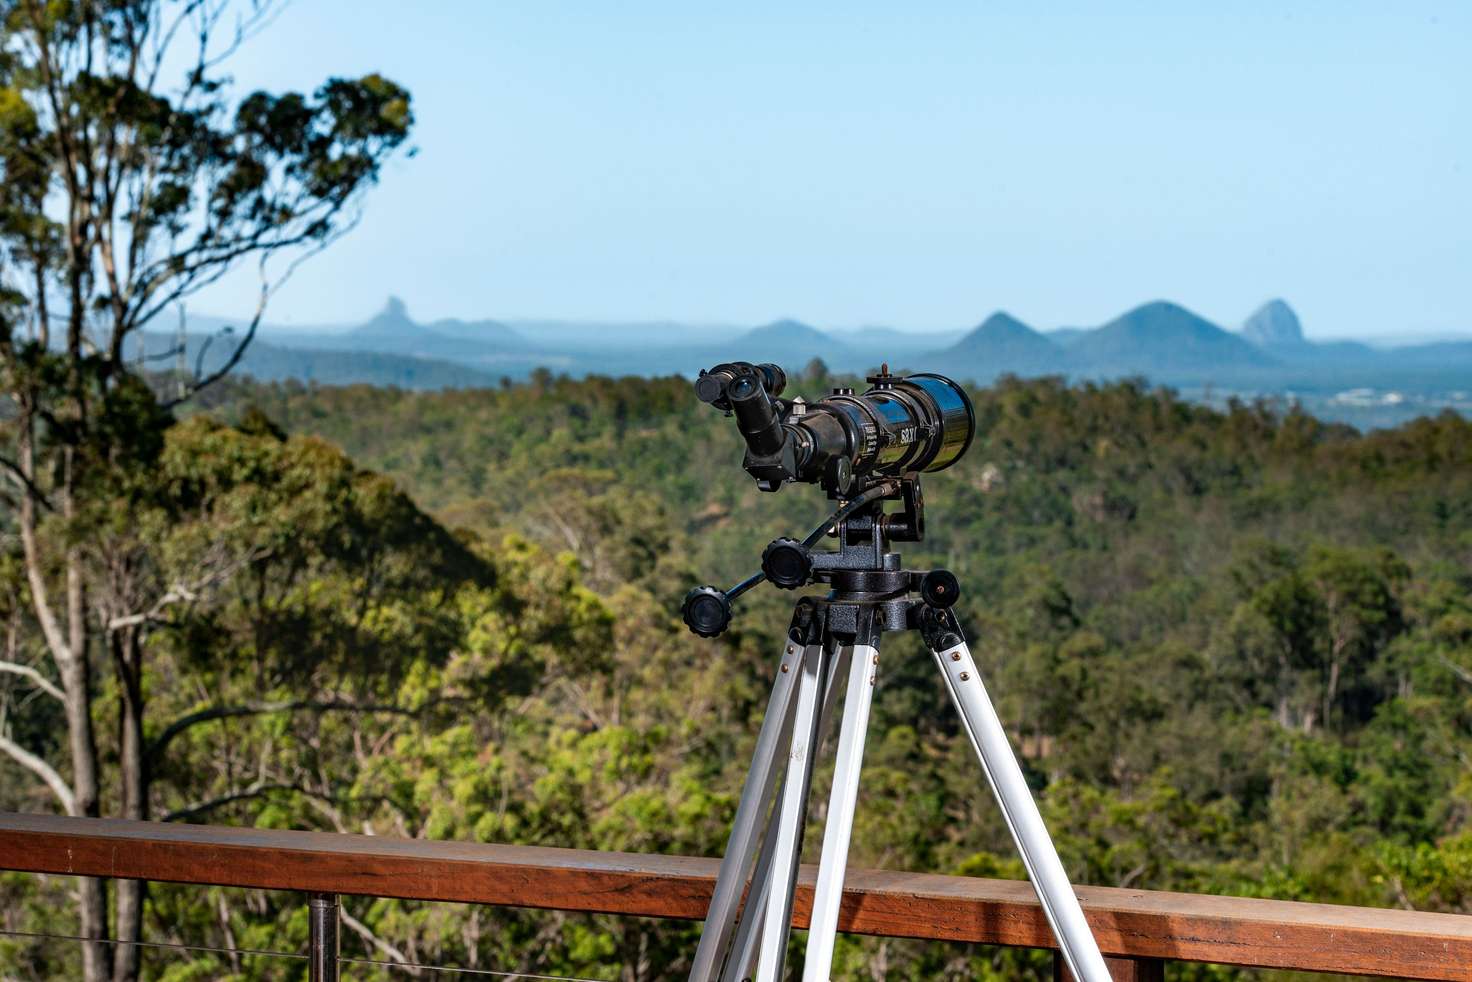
<point x="1002" y="322"/>
<point x="1002" y="343"/>
<point x="392" y="319"/>
<point x="1273" y="325"/>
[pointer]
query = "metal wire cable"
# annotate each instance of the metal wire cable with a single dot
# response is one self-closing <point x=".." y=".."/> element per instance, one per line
<point x="297" y="955"/>
<point x="467" y="971"/>
<point x="154" y="944"/>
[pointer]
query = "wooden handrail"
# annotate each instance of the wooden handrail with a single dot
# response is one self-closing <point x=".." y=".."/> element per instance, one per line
<point x="1139" y="924"/>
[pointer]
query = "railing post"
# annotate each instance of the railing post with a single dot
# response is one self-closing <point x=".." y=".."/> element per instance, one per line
<point x="325" y="920"/>
<point x="1120" y="969"/>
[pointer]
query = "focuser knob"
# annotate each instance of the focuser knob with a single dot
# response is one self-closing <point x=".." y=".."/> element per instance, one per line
<point x="706" y="610"/>
<point x="787" y="563"/>
<point x="939" y="588"/>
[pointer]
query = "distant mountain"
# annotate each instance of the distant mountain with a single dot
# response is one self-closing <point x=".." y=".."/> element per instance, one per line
<point x="270" y="362"/>
<point x="889" y="337"/>
<point x="392" y="321"/>
<point x="1161" y="341"/>
<point x="1274" y="325"/>
<point x="1275" y="328"/>
<point x="393" y="331"/>
<point x="1003" y="344"/>
<point x="785" y="331"/>
<point x="1167" y="343"/>
<point x="789" y="343"/>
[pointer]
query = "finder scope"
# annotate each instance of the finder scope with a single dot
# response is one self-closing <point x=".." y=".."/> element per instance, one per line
<point x="902" y="424"/>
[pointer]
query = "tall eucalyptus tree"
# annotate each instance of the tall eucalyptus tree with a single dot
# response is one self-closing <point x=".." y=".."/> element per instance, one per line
<point x="131" y="176"/>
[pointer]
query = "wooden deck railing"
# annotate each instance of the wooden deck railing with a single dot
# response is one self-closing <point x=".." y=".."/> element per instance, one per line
<point x="1138" y="929"/>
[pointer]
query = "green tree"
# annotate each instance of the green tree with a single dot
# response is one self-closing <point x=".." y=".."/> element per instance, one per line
<point x="132" y="179"/>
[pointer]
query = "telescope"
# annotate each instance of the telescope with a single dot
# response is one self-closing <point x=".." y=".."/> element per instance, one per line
<point x="903" y="424"/>
<point x="862" y="449"/>
<point x="866" y="451"/>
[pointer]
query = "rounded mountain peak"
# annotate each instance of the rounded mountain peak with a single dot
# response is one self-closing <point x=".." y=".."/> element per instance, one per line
<point x="1273" y="325"/>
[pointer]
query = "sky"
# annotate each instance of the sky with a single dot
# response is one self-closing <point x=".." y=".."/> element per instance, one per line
<point x="910" y="165"/>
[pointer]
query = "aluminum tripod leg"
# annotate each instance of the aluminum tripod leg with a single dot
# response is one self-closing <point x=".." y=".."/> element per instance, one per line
<point x="1004" y="774"/>
<point x="840" y="823"/>
<point x="791" y="812"/>
<point x="742" y="962"/>
<point x="756" y="796"/>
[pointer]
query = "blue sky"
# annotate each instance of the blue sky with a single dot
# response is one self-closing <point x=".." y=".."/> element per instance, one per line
<point x="914" y="165"/>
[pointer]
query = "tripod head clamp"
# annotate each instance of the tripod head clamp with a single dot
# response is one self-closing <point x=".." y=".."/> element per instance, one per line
<point x="861" y="569"/>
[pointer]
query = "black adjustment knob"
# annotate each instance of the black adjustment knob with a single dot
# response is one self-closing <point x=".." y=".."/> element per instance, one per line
<point x="787" y="563"/>
<point x="940" y="588"/>
<point x="706" y="610"/>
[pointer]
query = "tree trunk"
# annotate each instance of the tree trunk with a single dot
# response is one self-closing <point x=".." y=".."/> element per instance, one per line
<point x="77" y="683"/>
<point x="127" y="655"/>
<point x="1331" y="690"/>
<point x="92" y="893"/>
<point x="68" y="647"/>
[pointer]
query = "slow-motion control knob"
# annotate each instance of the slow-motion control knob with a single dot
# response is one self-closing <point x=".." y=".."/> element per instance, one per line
<point x="787" y="563"/>
<point x="940" y="588"/>
<point x="707" y="611"/>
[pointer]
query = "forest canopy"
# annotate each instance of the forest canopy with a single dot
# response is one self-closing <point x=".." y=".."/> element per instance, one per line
<point x="1234" y="649"/>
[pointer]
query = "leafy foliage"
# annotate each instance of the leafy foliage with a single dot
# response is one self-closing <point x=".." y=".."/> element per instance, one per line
<point x="131" y="176"/>
<point x="1234" y="649"/>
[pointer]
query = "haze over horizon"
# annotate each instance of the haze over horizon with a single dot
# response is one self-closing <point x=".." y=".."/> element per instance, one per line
<point x="917" y="169"/>
<point x="395" y="304"/>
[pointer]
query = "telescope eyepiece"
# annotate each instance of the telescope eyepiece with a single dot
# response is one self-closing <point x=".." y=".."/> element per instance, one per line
<point x="714" y="384"/>
<point x="743" y="388"/>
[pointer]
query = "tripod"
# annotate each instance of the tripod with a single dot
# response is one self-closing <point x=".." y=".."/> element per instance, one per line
<point x="832" y="639"/>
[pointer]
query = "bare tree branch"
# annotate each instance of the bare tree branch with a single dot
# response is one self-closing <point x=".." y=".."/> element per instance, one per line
<point x="26" y="484"/>
<point x="166" y="736"/>
<point x="257" y="789"/>
<point x="1457" y="670"/>
<point x="363" y="931"/>
<point x="40" y="596"/>
<point x="40" y="681"/>
<point x="43" y="770"/>
<point x="267" y="289"/>
<point x="185" y="592"/>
